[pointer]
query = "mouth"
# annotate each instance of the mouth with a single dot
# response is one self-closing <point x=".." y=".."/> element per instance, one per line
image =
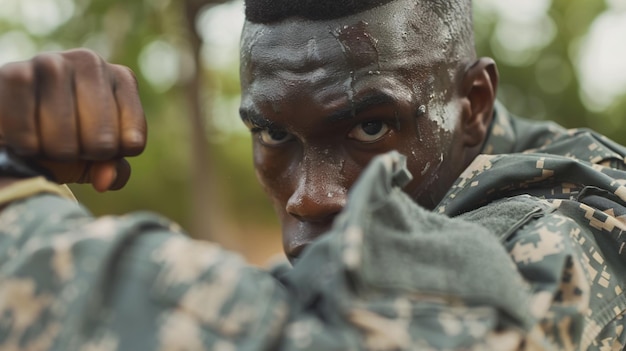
<point x="298" y="236"/>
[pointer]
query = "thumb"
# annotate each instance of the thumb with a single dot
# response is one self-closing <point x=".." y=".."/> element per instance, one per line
<point x="109" y="175"/>
<point x="104" y="175"/>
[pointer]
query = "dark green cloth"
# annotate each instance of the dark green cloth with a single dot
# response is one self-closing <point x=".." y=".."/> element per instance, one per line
<point x="525" y="251"/>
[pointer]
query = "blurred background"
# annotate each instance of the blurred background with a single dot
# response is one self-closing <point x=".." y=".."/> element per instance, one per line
<point x="563" y="60"/>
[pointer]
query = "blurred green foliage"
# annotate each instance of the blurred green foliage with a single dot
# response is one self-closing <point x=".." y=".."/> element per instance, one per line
<point x="537" y="81"/>
<point x="543" y="81"/>
<point x="121" y="31"/>
<point x="161" y="180"/>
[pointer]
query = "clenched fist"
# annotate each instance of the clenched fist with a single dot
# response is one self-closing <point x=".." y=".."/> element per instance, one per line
<point x="74" y="114"/>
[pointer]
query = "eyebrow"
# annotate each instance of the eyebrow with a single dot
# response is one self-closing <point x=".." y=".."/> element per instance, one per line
<point x="356" y="107"/>
<point x="360" y="105"/>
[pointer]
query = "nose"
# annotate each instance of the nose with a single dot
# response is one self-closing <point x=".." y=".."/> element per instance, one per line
<point x="316" y="201"/>
<point x="317" y="192"/>
<point x="314" y="208"/>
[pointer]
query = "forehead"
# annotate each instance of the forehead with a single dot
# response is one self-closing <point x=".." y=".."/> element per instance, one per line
<point x="400" y="34"/>
<point x="399" y="49"/>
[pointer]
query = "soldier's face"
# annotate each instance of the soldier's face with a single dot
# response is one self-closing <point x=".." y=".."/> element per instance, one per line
<point x="323" y="98"/>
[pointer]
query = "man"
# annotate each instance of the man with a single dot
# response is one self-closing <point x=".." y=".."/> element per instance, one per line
<point x="533" y="260"/>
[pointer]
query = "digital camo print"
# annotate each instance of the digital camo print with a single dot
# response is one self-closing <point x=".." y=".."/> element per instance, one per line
<point x="69" y="282"/>
<point x="577" y="242"/>
<point x="531" y="260"/>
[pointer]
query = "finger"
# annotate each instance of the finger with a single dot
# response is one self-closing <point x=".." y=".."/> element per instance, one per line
<point x="95" y="106"/>
<point x="123" y="172"/>
<point x="109" y="175"/>
<point x="17" y="108"/>
<point x="56" y="111"/>
<point x="133" y="128"/>
<point x="103" y="174"/>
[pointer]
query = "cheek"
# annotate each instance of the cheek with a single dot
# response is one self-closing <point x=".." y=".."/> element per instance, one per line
<point x="422" y="144"/>
<point x="427" y="152"/>
<point x="423" y="162"/>
<point x="272" y="171"/>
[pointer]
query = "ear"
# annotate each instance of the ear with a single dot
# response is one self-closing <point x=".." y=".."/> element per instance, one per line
<point x="479" y="86"/>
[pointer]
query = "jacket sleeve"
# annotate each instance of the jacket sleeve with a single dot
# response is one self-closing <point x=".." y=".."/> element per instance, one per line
<point x="69" y="281"/>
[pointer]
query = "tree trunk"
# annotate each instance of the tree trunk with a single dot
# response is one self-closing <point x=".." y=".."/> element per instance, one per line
<point x="207" y="214"/>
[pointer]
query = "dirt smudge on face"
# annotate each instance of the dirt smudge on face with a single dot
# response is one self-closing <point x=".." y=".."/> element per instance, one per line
<point x="360" y="49"/>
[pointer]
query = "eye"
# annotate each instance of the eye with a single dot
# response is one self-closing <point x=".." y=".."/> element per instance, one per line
<point x="274" y="137"/>
<point x="369" y="132"/>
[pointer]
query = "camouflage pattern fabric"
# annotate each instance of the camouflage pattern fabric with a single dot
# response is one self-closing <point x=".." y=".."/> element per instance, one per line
<point x="577" y="243"/>
<point x="530" y="260"/>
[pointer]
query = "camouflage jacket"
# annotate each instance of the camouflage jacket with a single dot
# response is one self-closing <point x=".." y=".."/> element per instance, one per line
<point x="525" y="253"/>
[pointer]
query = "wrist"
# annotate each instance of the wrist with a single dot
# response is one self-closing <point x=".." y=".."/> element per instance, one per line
<point x="14" y="167"/>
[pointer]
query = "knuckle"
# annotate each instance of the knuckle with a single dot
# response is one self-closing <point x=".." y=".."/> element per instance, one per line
<point x="84" y="55"/>
<point x="85" y="58"/>
<point x="134" y="138"/>
<point x="125" y="75"/>
<point x="104" y="147"/>
<point x="62" y="151"/>
<point x="19" y="73"/>
<point x="134" y="148"/>
<point x="49" y="65"/>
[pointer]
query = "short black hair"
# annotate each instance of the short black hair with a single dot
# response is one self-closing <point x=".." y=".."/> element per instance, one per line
<point x="270" y="11"/>
<point x="267" y="11"/>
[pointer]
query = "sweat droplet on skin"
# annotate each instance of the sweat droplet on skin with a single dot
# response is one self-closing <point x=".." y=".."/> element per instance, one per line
<point x="421" y="110"/>
<point x="312" y="50"/>
<point x="425" y="168"/>
<point x="350" y="91"/>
